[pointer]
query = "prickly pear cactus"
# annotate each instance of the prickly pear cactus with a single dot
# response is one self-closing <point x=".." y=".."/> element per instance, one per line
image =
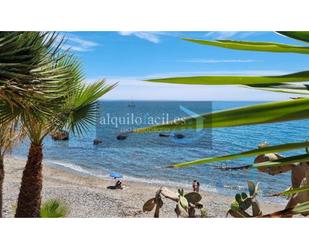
<point x="149" y="205"/>
<point x="243" y="202"/>
<point x="193" y="197"/>
<point x="186" y="203"/>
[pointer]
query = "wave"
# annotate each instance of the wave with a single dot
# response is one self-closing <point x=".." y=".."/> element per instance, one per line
<point x="84" y="171"/>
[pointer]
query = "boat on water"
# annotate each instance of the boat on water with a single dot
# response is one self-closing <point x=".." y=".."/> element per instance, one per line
<point x="131" y="104"/>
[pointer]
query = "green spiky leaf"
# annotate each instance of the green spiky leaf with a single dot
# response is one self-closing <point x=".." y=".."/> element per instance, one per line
<point x="254" y="81"/>
<point x="54" y="208"/>
<point x="298" y="35"/>
<point x="249" y="153"/>
<point x="253" y="46"/>
<point x="292" y="191"/>
<point x="249" y="115"/>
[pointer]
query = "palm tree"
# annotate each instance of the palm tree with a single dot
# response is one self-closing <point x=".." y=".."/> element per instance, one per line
<point x="27" y="77"/>
<point x="42" y="88"/>
<point x="77" y="112"/>
<point x="295" y="109"/>
<point x="9" y="136"/>
<point x="24" y="78"/>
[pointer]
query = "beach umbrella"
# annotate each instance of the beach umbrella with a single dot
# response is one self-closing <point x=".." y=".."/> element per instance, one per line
<point x="115" y="175"/>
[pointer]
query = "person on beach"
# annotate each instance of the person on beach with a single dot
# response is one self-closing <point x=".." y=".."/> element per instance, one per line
<point x="197" y="187"/>
<point x="118" y="185"/>
<point x="194" y="185"/>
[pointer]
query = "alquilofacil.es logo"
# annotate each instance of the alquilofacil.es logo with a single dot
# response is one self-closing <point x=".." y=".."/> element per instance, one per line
<point x="117" y="123"/>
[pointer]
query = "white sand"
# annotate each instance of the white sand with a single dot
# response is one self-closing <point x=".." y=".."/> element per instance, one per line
<point x="88" y="196"/>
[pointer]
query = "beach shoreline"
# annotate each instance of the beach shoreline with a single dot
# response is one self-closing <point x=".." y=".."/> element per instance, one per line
<point x="87" y="195"/>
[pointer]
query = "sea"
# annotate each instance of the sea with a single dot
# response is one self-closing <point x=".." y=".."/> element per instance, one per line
<point x="145" y="157"/>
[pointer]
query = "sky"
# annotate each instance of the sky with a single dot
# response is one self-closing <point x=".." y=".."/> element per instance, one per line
<point x="129" y="57"/>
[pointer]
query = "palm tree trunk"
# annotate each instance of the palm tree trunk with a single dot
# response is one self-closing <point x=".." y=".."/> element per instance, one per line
<point x="29" y="199"/>
<point x="1" y="183"/>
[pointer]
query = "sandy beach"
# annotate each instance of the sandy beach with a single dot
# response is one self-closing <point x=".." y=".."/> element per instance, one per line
<point x="88" y="196"/>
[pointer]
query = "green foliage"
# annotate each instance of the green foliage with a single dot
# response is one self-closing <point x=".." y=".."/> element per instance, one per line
<point x="292" y="191"/>
<point x="249" y="115"/>
<point x="54" y="208"/>
<point x="243" y="202"/>
<point x="82" y="106"/>
<point x="282" y="161"/>
<point x="301" y="208"/>
<point x="254" y="152"/>
<point x="28" y="74"/>
<point x="298" y="35"/>
<point x="255" y="46"/>
<point x="183" y="202"/>
<point x="253" y="81"/>
<point x="186" y="204"/>
<point x="203" y="212"/>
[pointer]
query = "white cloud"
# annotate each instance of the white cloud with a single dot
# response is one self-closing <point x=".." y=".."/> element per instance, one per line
<point x="219" y="61"/>
<point x="148" y="36"/>
<point x="75" y="43"/>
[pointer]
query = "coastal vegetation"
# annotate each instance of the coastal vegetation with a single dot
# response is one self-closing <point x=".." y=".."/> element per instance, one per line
<point x="43" y="93"/>
<point x="186" y="204"/>
<point x="43" y="89"/>
<point x="54" y="208"/>
<point x="294" y="109"/>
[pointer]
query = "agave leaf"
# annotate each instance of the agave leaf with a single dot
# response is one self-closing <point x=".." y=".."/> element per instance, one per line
<point x="298" y="35"/>
<point x="257" y="114"/>
<point x="292" y="191"/>
<point x="301" y="208"/>
<point x="253" y="81"/>
<point x="193" y="197"/>
<point x="283" y="161"/>
<point x="284" y="90"/>
<point x="253" y="46"/>
<point x="259" y="151"/>
<point x="149" y="205"/>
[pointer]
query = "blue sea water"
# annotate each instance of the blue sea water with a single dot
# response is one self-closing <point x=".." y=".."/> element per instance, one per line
<point x="145" y="157"/>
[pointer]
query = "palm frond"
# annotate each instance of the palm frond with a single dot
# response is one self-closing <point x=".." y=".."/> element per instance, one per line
<point x="54" y="208"/>
<point x="81" y="111"/>
<point x="29" y="79"/>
